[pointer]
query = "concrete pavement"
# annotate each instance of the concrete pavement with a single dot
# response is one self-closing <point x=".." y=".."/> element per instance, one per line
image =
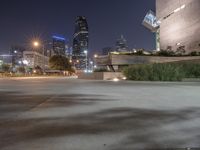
<point x="72" y="114"/>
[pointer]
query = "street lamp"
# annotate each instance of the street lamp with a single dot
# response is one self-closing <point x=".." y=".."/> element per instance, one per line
<point x="86" y="63"/>
<point x="37" y="44"/>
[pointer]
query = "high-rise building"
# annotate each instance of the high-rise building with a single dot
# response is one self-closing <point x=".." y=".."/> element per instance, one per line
<point x="121" y="44"/>
<point x="80" y="42"/>
<point x="179" y="24"/>
<point x="58" y="46"/>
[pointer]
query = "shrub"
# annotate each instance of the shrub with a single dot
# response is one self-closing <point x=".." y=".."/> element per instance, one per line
<point x="166" y="72"/>
<point x="6" y="68"/>
<point x="140" y="52"/>
<point x="162" y="72"/>
<point x="21" y="69"/>
<point x="191" y="70"/>
<point x="180" y="51"/>
<point x="194" y="53"/>
<point x="138" y="72"/>
<point x="166" y="53"/>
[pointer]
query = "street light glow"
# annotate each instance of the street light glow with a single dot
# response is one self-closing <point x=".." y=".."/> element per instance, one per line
<point x="116" y="80"/>
<point x="124" y="78"/>
<point x="36" y="44"/>
<point x="34" y="71"/>
<point x="85" y="52"/>
<point x="25" y="62"/>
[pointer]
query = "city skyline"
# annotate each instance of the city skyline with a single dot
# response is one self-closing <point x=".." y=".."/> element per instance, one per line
<point x="99" y="74"/>
<point x="107" y="21"/>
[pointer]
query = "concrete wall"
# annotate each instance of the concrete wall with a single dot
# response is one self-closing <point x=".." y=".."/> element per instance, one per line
<point x="101" y="75"/>
<point x="101" y="60"/>
<point x="182" y="27"/>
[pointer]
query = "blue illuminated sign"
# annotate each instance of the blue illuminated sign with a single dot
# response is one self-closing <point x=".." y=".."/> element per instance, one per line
<point x="58" y="38"/>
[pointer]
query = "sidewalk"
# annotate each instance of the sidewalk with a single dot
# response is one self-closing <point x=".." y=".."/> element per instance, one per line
<point x="40" y="77"/>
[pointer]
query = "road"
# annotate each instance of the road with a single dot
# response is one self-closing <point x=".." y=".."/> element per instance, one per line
<point x="72" y="114"/>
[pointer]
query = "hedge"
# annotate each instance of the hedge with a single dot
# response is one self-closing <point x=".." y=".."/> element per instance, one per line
<point x="162" y="72"/>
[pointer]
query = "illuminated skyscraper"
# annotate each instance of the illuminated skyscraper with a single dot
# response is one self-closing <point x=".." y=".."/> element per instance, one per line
<point x="121" y="44"/>
<point x="80" y="41"/>
<point x="58" y="46"/>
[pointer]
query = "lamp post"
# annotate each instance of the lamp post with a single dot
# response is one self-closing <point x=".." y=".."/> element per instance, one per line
<point x="86" y="59"/>
<point x="91" y="66"/>
<point x="37" y="44"/>
<point x="95" y="55"/>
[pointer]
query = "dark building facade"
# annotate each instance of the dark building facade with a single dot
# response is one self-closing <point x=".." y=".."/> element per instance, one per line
<point x="58" y="46"/>
<point x="180" y="26"/>
<point x="80" y="41"/>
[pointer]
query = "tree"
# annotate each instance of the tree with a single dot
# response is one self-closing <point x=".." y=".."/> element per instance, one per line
<point x="140" y="52"/>
<point x="6" y="68"/>
<point x="59" y="62"/>
<point x="193" y="53"/>
<point x="38" y="70"/>
<point x="169" y="48"/>
<point x="21" y="69"/>
<point x="180" y="50"/>
<point x="166" y="53"/>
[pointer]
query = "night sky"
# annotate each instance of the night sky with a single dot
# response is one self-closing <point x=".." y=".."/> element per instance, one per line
<point x="22" y="20"/>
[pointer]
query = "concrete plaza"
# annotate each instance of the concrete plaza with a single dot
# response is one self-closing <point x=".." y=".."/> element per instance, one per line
<point x="72" y="114"/>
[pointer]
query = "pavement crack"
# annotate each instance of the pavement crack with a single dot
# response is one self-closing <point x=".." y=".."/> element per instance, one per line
<point x="49" y="99"/>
